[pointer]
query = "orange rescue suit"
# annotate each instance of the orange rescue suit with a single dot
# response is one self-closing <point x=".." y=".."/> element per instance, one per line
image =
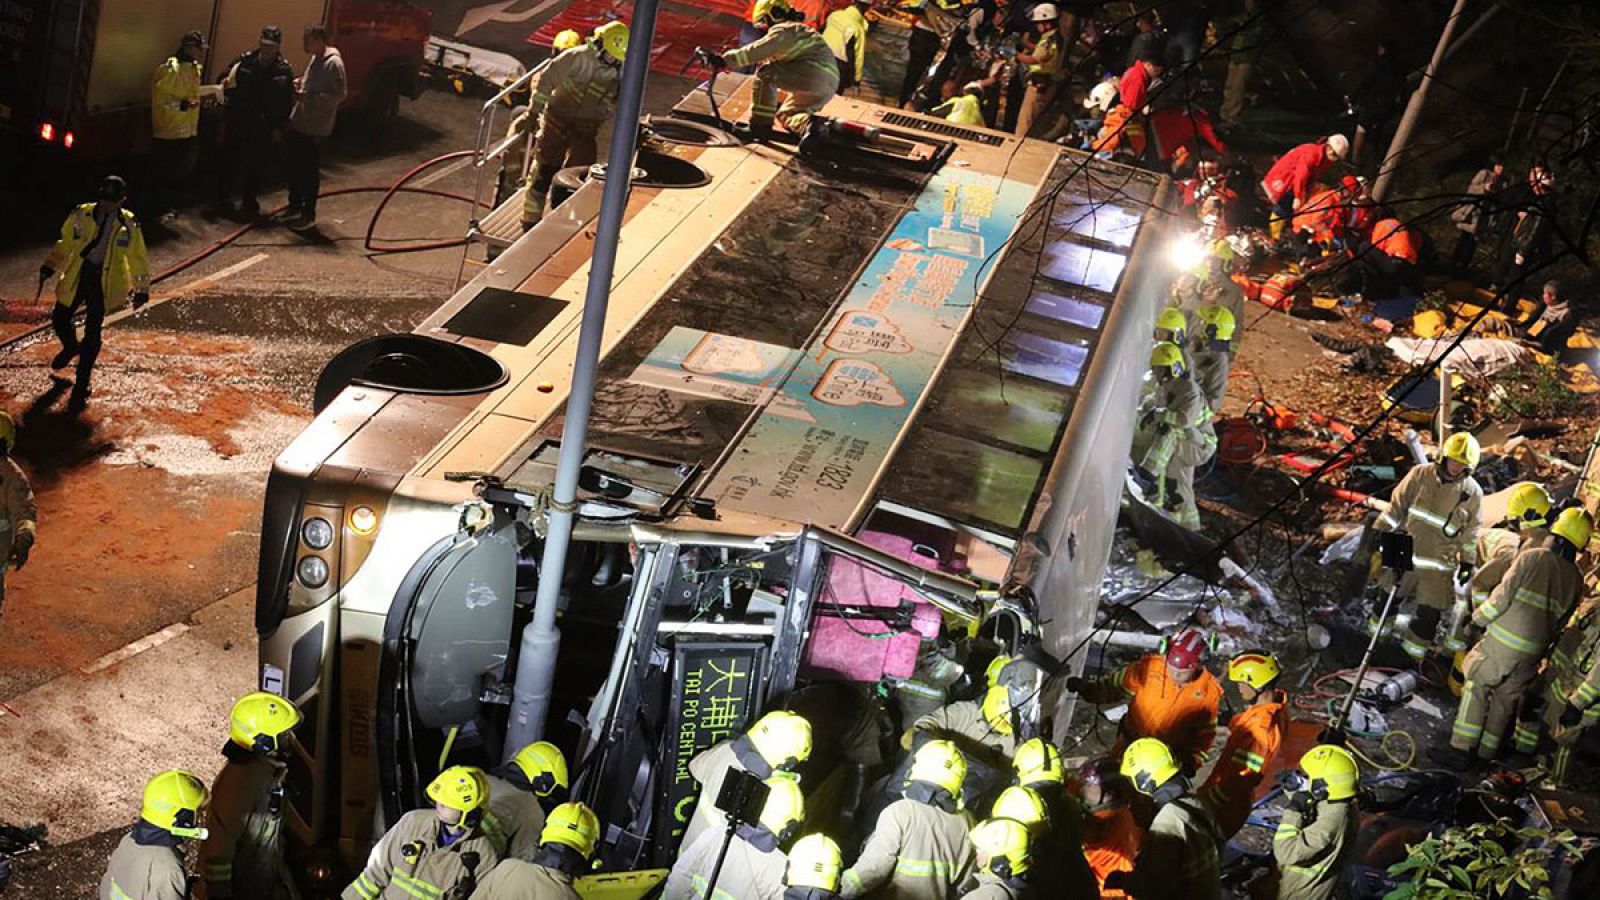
<point x="1392" y="238"/>
<point x="1182" y="716"/>
<point x="1110" y="844"/>
<point x="1323" y="215"/>
<point x="1254" y="737"/>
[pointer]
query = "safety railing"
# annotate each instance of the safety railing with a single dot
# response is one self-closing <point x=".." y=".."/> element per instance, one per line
<point x="485" y="155"/>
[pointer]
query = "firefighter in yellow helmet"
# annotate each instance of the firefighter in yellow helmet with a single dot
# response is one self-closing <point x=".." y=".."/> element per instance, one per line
<point x="1254" y="736"/>
<point x="102" y="262"/>
<point x="1006" y="865"/>
<point x="1527" y="521"/>
<point x="918" y="848"/>
<point x="778" y="742"/>
<point x="19" y="515"/>
<point x="433" y="852"/>
<point x="792" y="61"/>
<point x="242" y="856"/>
<point x="1039" y="770"/>
<point x="534" y="781"/>
<point x="1437" y="504"/>
<point x="1178" y="857"/>
<point x="755" y="863"/>
<point x="1318" y="828"/>
<point x="148" y="863"/>
<point x="845" y="31"/>
<point x="1173" y="435"/>
<point x="569" y="99"/>
<point x="814" y="870"/>
<point x="1523" y="617"/>
<point x="566" y="844"/>
<point x="975" y="725"/>
<point x="965" y="108"/>
<point x="1211" y="350"/>
<point x="565" y="40"/>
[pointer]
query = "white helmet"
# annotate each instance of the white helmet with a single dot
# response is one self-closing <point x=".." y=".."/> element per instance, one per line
<point x="1338" y="146"/>
<point x="1102" y="97"/>
<point x="1044" y="12"/>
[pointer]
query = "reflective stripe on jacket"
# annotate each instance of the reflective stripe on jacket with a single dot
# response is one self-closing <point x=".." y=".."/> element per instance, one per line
<point x="915" y="852"/>
<point x="748" y="873"/>
<point x="1184" y="717"/>
<point x="576" y="84"/>
<point x="1178" y="859"/>
<point x="409" y="863"/>
<point x="242" y="855"/>
<point x="144" y="872"/>
<point x="126" y="267"/>
<point x="963" y="722"/>
<point x="709" y="767"/>
<point x="1496" y="548"/>
<point x="1527" y="608"/>
<point x="1441" y="517"/>
<point x="1310" y="856"/>
<point x="790" y="42"/>
<point x="1254" y="736"/>
<point x="514" y="879"/>
<point x="174" y="82"/>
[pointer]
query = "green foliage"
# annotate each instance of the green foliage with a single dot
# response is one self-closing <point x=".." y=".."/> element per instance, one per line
<point x="1491" y="860"/>
<point x="1529" y="390"/>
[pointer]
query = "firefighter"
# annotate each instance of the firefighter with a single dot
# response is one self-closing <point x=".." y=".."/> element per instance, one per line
<point x="532" y="783"/>
<point x="948" y="25"/>
<point x="19" y="516"/>
<point x="1288" y="183"/>
<point x="432" y="852"/>
<point x="1174" y="435"/>
<point x="1172" y="326"/>
<point x="778" y="742"/>
<point x="814" y="869"/>
<point x="1110" y="835"/>
<point x="965" y="108"/>
<point x="148" y="863"/>
<point x="845" y="33"/>
<point x="1318" y="828"/>
<point x="1211" y="350"/>
<point x="174" y="123"/>
<point x="566" y="843"/>
<point x="1523" y="617"/>
<point x="242" y="855"/>
<point x="569" y="100"/>
<point x="754" y="862"/>
<point x="1178" y="857"/>
<point x="793" y="59"/>
<point x="1005" y="861"/>
<point x="565" y="40"/>
<point x="1171" y="696"/>
<point x="1046" y="63"/>
<point x="102" y="262"/>
<point x="1254" y="736"/>
<point x="1437" y="504"/>
<point x="1573" y="687"/>
<point x="1527" y="515"/>
<point x="918" y="850"/>
<point x="975" y="726"/>
<point x="1039" y="769"/>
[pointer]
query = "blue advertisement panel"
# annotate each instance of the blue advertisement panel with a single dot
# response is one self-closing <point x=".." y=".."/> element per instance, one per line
<point x="813" y="451"/>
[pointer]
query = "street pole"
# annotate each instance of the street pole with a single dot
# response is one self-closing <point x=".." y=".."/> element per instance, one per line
<point x="536" y="666"/>
<point x="1408" y="121"/>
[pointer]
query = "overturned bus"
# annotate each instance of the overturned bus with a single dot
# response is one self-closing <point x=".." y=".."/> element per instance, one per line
<point x="847" y="406"/>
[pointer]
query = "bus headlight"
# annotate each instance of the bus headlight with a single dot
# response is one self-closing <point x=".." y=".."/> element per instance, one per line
<point x="313" y="571"/>
<point x="363" y="520"/>
<point x="317" y="533"/>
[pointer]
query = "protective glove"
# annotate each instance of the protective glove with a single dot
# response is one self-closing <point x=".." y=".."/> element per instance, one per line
<point x="1302" y="802"/>
<point x="1571" y="716"/>
<point x="140" y="298"/>
<point x="1074" y="685"/>
<point x="44" y="273"/>
<point x="711" y="58"/>
<point x="1145" y="480"/>
<point x="19" y="557"/>
<point x="1464" y="574"/>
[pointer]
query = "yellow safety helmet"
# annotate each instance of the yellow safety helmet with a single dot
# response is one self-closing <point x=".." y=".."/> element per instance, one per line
<point x="566" y="40"/>
<point x="1038" y="762"/>
<point x="782" y="738"/>
<point x="1220" y="323"/>
<point x="543" y="764"/>
<point x="1004" y="843"/>
<point x="260" y="720"/>
<point x="613" y="39"/>
<point x="1172" y="325"/>
<point x="785" y="809"/>
<point x="1575" y="526"/>
<point x="814" y="862"/>
<point x="997" y="708"/>
<point x="461" y="788"/>
<point x="1257" y="668"/>
<point x="991" y="675"/>
<point x="1167" y="355"/>
<point x="1148" y="763"/>
<point x="941" y="764"/>
<point x="1332" y="770"/>
<point x="173" y="801"/>
<point x="1529" y="504"/>
<point x="1463" y="448"/>
<point x="1022" y="804"/>
<point x="8" y="431"/>
<point x="572" y="825"/>
<point x="770" y="11"/>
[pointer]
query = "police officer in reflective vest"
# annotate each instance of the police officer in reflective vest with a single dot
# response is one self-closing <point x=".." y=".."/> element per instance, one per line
<point x="430" y="853"/>
<point x="148" y="864"/>
<point x="242" y="857"/>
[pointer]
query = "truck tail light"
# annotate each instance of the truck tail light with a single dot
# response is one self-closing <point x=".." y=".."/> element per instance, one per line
<point x="47" y="132"/>
<point x="67" y="140"/>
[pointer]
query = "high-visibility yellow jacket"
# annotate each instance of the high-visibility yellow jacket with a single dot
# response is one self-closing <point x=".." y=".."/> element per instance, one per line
<point x="242" y="855"/>
<point x="409" y="863"/>
<point x="963" y="109"/>
<point x="126" y="268"/>
<point x="1311" y="855"/>
<point x="1178" y="858"/>
<point x="1047" y="57"/>
<point x="175" y="83"/>
<point x="144" y="872"/>
<point x="1496" y="547"/>
<point x="846" y="35"/>
<point x="576" y="85"/>
<point x="514" y="879"/>
<point x="916" y="852"/>
<point x="748" y="872"/>
<point x="1440" y="516"/>
<point x="515" y="820"/>
<point x="786" y="42"/>
<point x="18" y="513"/>
<point x="1526" y="610"/>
